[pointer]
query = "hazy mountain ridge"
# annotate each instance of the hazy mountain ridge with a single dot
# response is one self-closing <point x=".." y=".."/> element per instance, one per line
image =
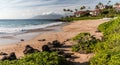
<point x="48" y="16"/>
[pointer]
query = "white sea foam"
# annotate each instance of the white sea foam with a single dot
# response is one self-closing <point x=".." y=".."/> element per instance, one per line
<point x="30" y="27"/>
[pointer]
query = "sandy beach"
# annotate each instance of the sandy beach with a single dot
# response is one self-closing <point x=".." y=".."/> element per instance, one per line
<point x="68" y="31"/>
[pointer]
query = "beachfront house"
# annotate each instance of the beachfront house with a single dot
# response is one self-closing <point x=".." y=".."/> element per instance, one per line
<point x="79" y="13"/>
<point x="95" y="12"/>
<point x="117" y="7"/>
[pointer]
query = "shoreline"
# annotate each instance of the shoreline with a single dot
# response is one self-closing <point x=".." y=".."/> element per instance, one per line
<point x="30" y="34"/>
<point x="68" y="31"/>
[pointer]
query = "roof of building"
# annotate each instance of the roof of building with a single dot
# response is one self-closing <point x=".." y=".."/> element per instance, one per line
<point x="80" y="12"/>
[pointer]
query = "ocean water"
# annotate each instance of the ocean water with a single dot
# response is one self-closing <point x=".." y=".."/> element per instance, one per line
<point x="19" y="26"/>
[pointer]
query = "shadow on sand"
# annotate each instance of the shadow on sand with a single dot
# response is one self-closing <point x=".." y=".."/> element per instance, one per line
<point x="78" y="63"/>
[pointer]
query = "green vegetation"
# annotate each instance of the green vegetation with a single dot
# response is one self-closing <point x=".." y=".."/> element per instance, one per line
<point x="108" y="51"/>
<point x="41" y="58"/>
<point x="69" y="19"/>
<point x="110" y="42"/>
<point x="85" y="43"/>
<point x="107" y="57"/>
<point x="99" y="12"/>
<point x="110" y="27"/>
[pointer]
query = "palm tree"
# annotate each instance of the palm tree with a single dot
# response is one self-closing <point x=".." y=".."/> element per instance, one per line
<point x="117" y="4"/>
<point x="65" y="10"/>
<point x="83" y="7"/>
<point x="100" y="5"/>
<point x="68" y="10"/>
<point x="97" y="7"/>
<point x="71" y="10"/>
<point x="108" y="2"/>
<point x="76" y="10"/>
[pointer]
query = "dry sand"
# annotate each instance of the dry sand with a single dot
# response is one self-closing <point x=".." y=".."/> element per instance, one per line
<point x="68" y="31"/>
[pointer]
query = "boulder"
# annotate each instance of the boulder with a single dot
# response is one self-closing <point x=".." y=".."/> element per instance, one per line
<point x="4" y="58"/>
<point x="50" y="45"/>
<point x="42" y="40"/>
<point x="29" y="49"/>
<point x="12" y="56"/>
<point x="2" y="53"/>
<point x="67" y="55"/>
<point x="45" y="48"/>
<point x="56" y="43"/>
<point x="54" y="49"/>
<point x="22" y="40"/>
<point x="66" y="40"/>
<point x="61" y="52"/>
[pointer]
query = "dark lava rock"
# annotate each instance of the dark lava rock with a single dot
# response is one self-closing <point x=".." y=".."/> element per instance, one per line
<point x="54" y="49"/>
<point x="12" y="56"/>
<point x="45" y="48"/>
<point x="22" y="40"/>
<point x="29" y="49"/>
<point x="42" y="40"/>
<point x="50" y="45"/>
<point x="56" y="43"/>
<point x="67" y="55"/>
<point x="61" y="52"/>
<point x="2" y="53"/>
<point x="66" y="40"/>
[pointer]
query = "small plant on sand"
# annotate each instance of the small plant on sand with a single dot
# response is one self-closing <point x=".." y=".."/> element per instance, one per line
<point x="85" y="43"/>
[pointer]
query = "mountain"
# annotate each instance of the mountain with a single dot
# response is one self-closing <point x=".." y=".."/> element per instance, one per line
<point x="48" y="16"/>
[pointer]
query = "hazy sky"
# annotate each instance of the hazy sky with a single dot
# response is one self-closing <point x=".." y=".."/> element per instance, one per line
<point x="10" y="9"/>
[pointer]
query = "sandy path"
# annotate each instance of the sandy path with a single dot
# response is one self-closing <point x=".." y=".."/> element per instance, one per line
<point x="68" y="32"/>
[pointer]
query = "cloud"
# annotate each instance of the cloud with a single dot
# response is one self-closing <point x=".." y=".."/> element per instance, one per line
<point x="30" y="8"/>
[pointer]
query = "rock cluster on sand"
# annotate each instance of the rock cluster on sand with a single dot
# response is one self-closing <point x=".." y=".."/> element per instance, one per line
<point x="55" y="43"/>
<point x="54" y="47"/>
<point x="45" y="48"/>
<point x="2" y="53"/>
<point x="42" y="40"/>
<point x="12" y="56"/>
<point x="29" y="49"/>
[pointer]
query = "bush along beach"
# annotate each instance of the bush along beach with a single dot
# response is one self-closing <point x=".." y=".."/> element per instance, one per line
<point x="107" y="52"/>
<point x="85" y="43"/>
<point x="39" y="58"/>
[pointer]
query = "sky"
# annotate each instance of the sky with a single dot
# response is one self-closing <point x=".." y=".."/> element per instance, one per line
<point x="24" y="9"/>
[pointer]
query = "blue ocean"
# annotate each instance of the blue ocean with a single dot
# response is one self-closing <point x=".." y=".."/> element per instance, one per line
<point x="22" y="25"/>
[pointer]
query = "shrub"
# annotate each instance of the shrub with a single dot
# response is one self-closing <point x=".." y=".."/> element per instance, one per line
<point x="108" y="51"/>
<point x="107" y="57"/>
<point x="110" y="27"/>
<point x="85" y="43"/>
<point x="41" y="58"/>
<point x="111" y="41"/>
<point x="101" y="58"/>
